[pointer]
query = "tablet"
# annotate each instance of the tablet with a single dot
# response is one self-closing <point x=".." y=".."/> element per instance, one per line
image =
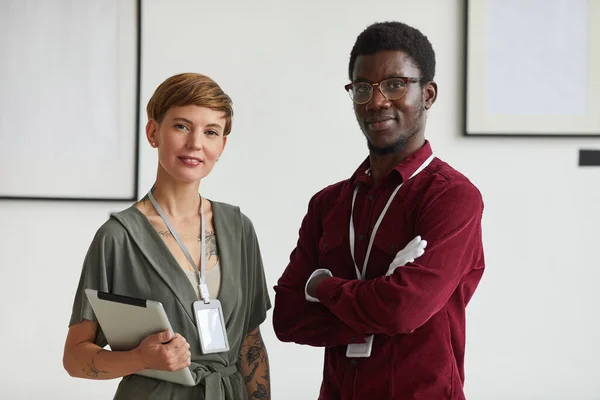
<point x="126" y="321"/>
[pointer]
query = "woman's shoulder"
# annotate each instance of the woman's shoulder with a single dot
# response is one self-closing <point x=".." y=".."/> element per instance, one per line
<point x="222" y="207"/>
<point x="231" y="213"/>
<point x="113" y="228"/>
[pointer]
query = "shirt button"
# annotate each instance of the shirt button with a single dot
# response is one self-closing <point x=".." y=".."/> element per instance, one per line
<point x="361" y="237"/>
<point x="371" y="197"/>
<point x="353" y="362"/>
<point x="324" y="246"/>
<point x="353" y="338"/>
<point x="392" y="247"/>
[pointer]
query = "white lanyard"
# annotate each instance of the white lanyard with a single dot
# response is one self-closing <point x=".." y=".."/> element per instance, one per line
<point x="376" y="227"/>
<point x="201" y="274"/>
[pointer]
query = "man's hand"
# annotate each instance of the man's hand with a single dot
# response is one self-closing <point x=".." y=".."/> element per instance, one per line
<point x="311" y="289"/>
<point x="410" y="253"/>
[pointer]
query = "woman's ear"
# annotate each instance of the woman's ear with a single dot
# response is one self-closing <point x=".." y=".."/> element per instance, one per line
<point x="224" y="144"/>
<point x="152" y="132"/>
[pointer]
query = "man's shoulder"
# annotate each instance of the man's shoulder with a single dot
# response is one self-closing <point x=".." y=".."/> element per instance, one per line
<point x="330" y="193"/>
<point x="446" y="178"/>
<point x="443" y="171"/>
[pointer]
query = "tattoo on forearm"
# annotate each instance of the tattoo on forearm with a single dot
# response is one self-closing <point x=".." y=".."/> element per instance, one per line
<point x="250" y="376"/>
<point x="254" y="353"/>
<point x="92" y="371"/>
<point x="261" y="392"/>
<point x="254" y="356"/>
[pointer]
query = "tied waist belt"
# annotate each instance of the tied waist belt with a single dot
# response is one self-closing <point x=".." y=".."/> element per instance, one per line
<point x="213" y="386"/>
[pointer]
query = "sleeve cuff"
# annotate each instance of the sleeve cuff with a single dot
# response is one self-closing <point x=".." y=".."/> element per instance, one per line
<point x="320" y="271"/>
<point x="327" y="290"/>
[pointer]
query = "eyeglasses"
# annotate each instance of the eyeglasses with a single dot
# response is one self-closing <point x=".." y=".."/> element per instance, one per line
<point x="391" y="89"/>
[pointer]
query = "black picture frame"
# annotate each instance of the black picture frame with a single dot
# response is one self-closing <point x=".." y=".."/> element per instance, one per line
<point x="135" y="130"/>
<point x="472" y="30"/>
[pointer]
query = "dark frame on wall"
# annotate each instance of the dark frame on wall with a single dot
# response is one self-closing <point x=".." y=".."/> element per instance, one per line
<point x="136" y="93"/>
<point x="481" y="44"/>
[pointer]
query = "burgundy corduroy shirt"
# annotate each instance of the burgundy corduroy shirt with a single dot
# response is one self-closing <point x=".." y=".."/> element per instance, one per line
<point x="417" y="314"/>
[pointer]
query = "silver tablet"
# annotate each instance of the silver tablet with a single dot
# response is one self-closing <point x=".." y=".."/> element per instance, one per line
<point x="126" y="321"/>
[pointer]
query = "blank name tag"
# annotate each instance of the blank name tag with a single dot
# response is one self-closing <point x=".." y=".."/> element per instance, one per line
<point x="211" y="327"/>
<point x="356" y="350"/>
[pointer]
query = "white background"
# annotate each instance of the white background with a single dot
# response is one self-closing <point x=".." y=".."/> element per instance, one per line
<point x="532" y="325"/>
<point x="549" y="41"/>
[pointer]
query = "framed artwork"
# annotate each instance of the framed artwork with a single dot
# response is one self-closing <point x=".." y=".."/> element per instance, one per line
<point x="531" y="68"/>
<point x="70" y="99"/>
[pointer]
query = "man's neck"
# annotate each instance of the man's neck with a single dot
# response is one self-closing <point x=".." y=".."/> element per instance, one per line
<point x="381" y="166"/>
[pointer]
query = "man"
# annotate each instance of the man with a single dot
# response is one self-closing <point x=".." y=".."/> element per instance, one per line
<point x="395" y="330"/>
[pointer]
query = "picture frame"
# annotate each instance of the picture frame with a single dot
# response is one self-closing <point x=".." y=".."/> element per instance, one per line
<point x="71" y="132"/>
<point x="531" y="68"/>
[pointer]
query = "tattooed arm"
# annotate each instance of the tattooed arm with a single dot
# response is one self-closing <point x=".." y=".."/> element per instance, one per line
<point x="254" y="366"/>
<point x="84" y="359"/>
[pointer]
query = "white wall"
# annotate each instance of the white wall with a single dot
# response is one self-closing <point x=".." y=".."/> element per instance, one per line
<point x="532" y="331"/>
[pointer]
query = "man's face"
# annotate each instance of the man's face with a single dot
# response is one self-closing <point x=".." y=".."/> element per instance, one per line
<point x="389" y="124"/>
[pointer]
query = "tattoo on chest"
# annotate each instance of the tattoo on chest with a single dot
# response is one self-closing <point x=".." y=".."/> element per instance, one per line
<point x="211" y="244"/>
<point x="146" y="198"/>
<point x="210" y="240"/>
<point x="166" y="234"/>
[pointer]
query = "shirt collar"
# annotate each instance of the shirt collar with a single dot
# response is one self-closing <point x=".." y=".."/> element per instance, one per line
<point x="403" y="170"/>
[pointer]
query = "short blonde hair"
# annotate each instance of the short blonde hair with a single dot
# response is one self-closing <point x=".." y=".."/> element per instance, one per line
<point x="190" y="89"/>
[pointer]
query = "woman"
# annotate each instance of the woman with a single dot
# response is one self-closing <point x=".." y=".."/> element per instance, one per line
<point x="140" y="252"/>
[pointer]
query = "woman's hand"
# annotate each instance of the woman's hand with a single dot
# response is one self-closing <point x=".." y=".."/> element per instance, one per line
<point x="164" y="351"/>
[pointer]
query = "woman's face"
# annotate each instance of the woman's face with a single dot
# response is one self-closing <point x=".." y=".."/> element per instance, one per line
<point x="189" y="140"/>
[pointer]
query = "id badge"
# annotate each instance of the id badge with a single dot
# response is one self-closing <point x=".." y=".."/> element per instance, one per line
<point x="356" y="350"/>
<point x="211" y="327"/>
